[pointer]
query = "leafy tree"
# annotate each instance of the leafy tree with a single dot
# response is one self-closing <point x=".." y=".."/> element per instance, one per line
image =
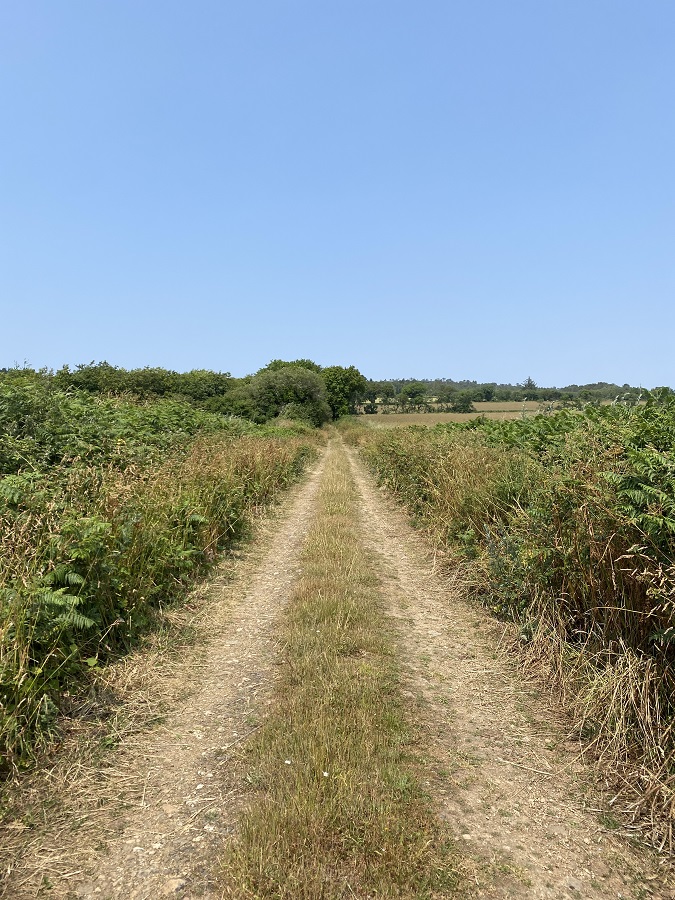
<point x="200" y="384"/>
<point x="292" y="391"/>
<point x="414" y="391"/>
<point x="277" y="364"/>
<point x="95" y="378"/>
<point x="503" y="394"/>
<point x="462" y="403"/>
<point x="102" y="378"/>
<point x="446" y="394"/>
<point x="660" y="395"/>
<point x="345" y="387"/>
<point x="151" y="381"/>
<point x="238" y="401"/>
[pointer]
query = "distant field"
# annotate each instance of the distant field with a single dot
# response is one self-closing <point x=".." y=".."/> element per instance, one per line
<point x="493" y="410"/>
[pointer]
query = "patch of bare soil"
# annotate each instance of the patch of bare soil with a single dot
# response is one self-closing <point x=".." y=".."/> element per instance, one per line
<point x="151" y="821"/>
<point x="502" y="770"/>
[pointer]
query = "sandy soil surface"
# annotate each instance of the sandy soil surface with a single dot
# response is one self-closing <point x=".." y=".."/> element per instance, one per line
<point x="501" y="770"/>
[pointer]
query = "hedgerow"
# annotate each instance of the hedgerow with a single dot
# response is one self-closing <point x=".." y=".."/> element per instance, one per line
<point x="110" y="508"/>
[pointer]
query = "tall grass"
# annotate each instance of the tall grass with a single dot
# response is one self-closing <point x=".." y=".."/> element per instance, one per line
<point x="568" y="522"/>
<point x="104" y="517"/>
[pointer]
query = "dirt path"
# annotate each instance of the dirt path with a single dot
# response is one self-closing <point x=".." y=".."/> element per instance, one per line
<point x="153" y="822"/>
<point x="500" y="770"/>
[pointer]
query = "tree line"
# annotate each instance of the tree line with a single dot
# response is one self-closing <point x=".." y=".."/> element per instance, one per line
<point x="297" y="390"/>
<point x="303" y="390"/>
<point x="459" y="396"/>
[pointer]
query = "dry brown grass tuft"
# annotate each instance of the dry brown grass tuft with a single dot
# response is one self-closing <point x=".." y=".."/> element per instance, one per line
<point x="615" y="701"/>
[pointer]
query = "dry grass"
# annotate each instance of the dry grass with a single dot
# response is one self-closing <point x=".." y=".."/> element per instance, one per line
<point x="615" y="703"/>
<point x="510" y="405"/>
<point x="337" y="810"/>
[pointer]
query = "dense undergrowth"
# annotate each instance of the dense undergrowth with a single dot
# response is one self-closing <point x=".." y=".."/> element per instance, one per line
<point x="110" y="508"/>
<point x="569" y="523"/>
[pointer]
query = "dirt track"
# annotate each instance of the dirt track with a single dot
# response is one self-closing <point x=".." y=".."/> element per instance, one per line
<point x="153" y="822"/>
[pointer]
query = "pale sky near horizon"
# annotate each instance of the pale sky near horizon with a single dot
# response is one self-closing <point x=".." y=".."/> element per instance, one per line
<point x="471" y="189"/>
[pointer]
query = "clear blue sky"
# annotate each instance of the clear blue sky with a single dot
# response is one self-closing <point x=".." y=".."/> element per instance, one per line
<point x="469" y="188"/>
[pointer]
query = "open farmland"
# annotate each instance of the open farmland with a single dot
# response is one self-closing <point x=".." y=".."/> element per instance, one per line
<point x="491" y="410"/>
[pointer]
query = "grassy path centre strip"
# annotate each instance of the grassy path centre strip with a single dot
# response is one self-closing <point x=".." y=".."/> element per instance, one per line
<point x="337" y="810"/>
